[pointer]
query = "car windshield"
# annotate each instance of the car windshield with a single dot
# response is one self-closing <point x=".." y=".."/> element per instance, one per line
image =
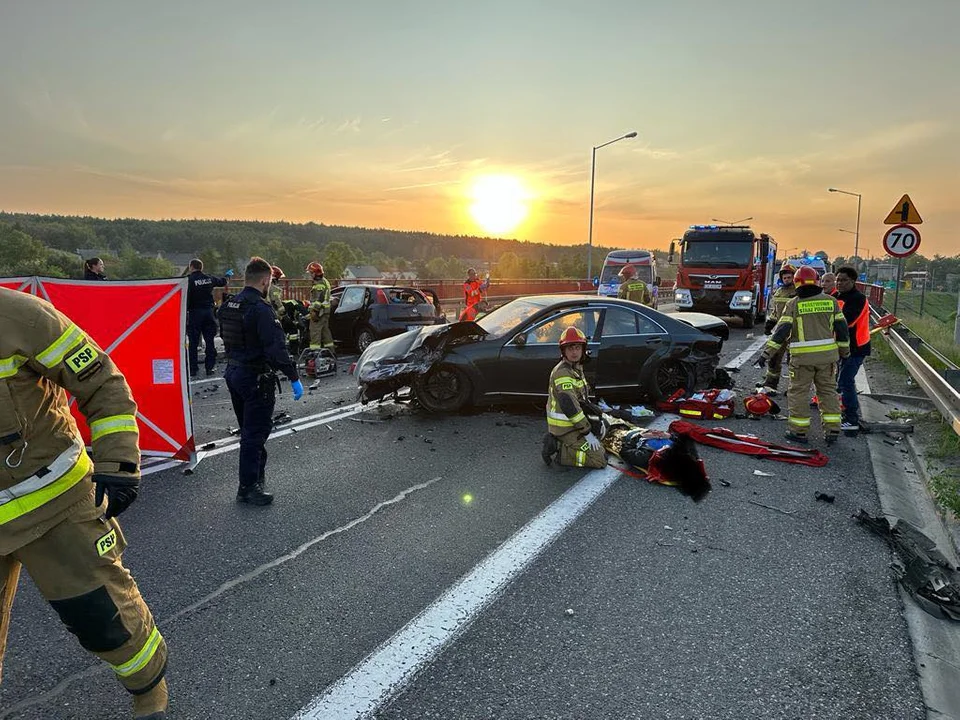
<point x="713" y="252"/>
<point x="610" y="273"/>
<point x="506" y="317"/>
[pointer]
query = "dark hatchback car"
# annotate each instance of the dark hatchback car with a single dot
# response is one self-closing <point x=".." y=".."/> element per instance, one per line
<point x="364" y="313"/>
<point x="635" y="353"/>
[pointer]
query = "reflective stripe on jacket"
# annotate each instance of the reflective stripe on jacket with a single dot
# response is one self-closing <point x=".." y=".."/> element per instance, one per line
<point x="781" y="297"/>
<point x="635" y="290"/>
<point x="816" y="330"/>
<point x="566" y="380"/>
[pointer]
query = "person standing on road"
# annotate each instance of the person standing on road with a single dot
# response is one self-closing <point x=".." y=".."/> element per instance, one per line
<point x="818" y="337"/>
<point x="856" y="310"/>
<point x="473" y="289"/>
<point x="570" y="434"/>
<point x="58" y="507"/>
<point x="93" y="269"/>
<point x="320" y="336"/>
<point x="781" y="297"/>
<point x="200" y="319"/>
<point x="632" y="288"/>
<point x="276" y="292"/>
<point x="256" y="349"/>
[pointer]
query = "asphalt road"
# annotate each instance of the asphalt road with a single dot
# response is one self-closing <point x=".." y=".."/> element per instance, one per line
<point x="758" y="602"/>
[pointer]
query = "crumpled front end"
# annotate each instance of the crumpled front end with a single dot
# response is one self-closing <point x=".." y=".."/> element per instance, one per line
<point x="391" y="364"/>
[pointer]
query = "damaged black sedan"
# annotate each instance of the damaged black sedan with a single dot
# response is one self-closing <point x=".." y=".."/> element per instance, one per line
<point x="635" y="354"/>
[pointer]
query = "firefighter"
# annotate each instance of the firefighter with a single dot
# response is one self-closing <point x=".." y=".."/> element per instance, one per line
<point x="276" y="292"/>
<point x="632" y="288"/>
<point x="320" y="336"/>
<point x="817" y="332"/>
<point x="58" y="507"/>
<point x="569" y="433"/>
<point x="256" y="348"/>
<point x="473" y="289"/>
<point x="781" y="297"/>
<point x="200" y="319"/>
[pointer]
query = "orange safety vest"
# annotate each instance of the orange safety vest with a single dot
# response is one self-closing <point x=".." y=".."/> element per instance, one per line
<point x="860" y="328"/>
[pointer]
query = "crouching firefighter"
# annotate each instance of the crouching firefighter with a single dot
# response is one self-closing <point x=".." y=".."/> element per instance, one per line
<point x="256" y="348"/>
<point x="570" y="435"/>
<point x="58" y="507"/>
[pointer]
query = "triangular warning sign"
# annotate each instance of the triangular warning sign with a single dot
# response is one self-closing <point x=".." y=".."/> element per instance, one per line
<point x="904" y="212"/>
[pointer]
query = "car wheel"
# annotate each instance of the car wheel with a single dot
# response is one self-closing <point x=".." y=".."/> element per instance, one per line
<point x="442" y="389"/>
<point x="670" y="377"/>
<point x="365" y="336"/>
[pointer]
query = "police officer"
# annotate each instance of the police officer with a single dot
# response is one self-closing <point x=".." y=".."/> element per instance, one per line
<point x="256" y="349"/>
<point x="632" y="288"/>
<point x="781" y="297"/>
<point x="58" y="507"/>
<point x="569" y="433"/>
<point x="817" y="332"/>
<point x="320" y="336"/>
<point x="200" y="319"/>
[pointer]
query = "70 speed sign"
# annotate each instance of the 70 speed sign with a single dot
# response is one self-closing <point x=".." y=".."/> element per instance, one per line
<point x="901" y="240"/>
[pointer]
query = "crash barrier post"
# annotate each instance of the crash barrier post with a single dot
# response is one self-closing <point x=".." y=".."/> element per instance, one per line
<point x="936" y="384"/>
<point x="141" y="324"/>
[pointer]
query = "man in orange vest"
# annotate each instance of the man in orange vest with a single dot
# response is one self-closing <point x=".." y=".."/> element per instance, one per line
<point x="473" y="290"/>
<point x="856" y="310"/>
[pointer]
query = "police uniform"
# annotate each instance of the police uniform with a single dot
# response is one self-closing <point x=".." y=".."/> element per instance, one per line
<point x="320" y="314"/>
<point x="200" y="319"/>
<point x="566" y="420"/>
<point x="50" y="520"/>
<point x="817" y="333"/>
<point x="781" y="297"/>
<point x="636" y="290"/>
<point x="256" y="348"/>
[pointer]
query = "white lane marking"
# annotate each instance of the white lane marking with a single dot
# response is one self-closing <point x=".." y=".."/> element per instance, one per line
<point x="206" y="380"/>
<point x="740" y="359"/>
<point x="379" y="676"/>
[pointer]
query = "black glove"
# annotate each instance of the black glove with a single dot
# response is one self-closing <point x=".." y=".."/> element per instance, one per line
<point x="121" y="491"/>
<point x="762" y="361"/>
<point x="768" y="327"/>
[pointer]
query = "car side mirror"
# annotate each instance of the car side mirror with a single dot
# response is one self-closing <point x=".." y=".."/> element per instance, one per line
<point x="673" y="250"/>
<point x="596" y="281"/>
<point x="520" y="340"/>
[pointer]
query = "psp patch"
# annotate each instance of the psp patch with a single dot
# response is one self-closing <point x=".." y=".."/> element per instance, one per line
<point x="84" y="362"/>
<point x="107" y="543"/>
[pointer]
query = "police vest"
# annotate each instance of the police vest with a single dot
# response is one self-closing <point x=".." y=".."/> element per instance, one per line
<point x="232" y="327"/>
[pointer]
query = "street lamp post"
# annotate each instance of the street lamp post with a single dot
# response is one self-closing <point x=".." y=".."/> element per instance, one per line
<point x="593" y="175"/>
<point x="727" y="222"/>
<point x="856" y="245"/>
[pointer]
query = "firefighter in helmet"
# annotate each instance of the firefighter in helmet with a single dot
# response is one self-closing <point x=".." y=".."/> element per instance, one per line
<point x="58" y="505"/>
<point x="276" y="291"/>
<point x="320" y="336"/>
<point x="781" y="297"/>
<point x="570" y="434"/>
<point x="818" y="337"/>
<point x="633" y="288"/>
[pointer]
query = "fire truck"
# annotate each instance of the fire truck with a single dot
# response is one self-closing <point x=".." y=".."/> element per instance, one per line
<point x="725" y="270"/>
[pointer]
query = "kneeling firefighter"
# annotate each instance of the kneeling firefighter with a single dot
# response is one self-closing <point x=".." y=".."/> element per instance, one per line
<point x="570" y="434"/>
<point x="58" y="506"/>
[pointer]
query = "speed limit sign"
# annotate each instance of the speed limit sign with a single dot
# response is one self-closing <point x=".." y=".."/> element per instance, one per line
<point x="901" y="240"/>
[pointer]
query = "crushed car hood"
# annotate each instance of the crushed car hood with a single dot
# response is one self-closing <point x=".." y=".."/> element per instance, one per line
<point x="390" y="364"/>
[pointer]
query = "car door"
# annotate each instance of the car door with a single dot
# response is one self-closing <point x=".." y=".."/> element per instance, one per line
<point x="527" y="358"/>
<point x="627" y="339"/>
<point x="344" y="320"/>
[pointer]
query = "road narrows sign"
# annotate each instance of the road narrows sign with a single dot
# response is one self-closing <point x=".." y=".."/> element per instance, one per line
<point x="901" y="241"/>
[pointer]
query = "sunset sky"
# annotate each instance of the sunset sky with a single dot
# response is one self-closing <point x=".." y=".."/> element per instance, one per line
<point x="386" y="113"/>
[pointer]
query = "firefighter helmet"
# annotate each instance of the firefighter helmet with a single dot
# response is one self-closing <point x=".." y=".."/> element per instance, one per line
<point x="758" y="404"/>
<point x="786" y="268"/>
<point x="315" y="268"/>
<point x="805" y="276"/>
<point x="572" y="336"/>
<point x="627" y="272"/>
<point x="277" y="273"/>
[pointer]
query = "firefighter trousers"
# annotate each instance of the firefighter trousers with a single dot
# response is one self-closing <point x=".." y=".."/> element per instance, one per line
<point x="320" y="332"/>
<point x="775" y="368"/>
<point x="824" y="380"/>
<point x="77" y="567"/>
<point x="575" y="451"/>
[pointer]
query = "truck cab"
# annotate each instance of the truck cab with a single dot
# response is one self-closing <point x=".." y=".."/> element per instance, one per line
<point x="724" y="270"/>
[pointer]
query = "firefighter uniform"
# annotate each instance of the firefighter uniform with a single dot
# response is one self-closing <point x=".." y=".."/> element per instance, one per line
<point x="473" y="288"/>
<point x="566" y="421"/>
<point x="817" y="333"/>
<point x="53" y="519"/>
<point x="781" y="297"/>
<point x="320" y="314"/>
<point x="275" y="295"/>
<point x="636" y="290"/>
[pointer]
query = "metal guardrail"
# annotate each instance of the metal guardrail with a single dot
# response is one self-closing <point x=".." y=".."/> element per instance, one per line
<point x="905" y="344"/>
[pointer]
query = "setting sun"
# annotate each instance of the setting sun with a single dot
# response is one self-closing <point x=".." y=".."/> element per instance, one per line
<point x="498" y="203"/>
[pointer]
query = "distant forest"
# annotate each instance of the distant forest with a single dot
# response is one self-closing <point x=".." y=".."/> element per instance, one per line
<point x="49" y="245"/>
